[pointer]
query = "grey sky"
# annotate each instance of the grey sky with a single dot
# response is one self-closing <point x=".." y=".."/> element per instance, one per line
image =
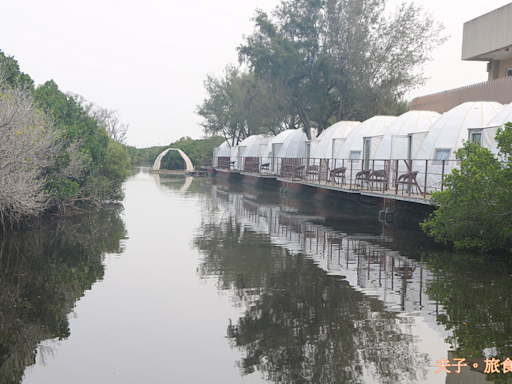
<point x="149" y="59"/>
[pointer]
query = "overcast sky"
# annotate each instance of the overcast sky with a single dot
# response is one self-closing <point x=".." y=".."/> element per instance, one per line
<point x="149" y="59"/>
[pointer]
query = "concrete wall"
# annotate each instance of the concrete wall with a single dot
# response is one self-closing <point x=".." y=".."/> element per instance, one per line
<point x="504" y="66"/>
<point x="499" y="68"/>
<point x="488" y="33"/>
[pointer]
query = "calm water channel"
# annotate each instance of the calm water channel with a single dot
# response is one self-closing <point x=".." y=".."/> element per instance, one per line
<point x="194" y="282"/>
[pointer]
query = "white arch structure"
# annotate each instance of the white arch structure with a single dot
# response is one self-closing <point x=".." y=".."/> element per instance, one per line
<point x="156" y="165"/>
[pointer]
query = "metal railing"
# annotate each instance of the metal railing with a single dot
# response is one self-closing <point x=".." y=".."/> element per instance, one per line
<point x="411" y="177"/>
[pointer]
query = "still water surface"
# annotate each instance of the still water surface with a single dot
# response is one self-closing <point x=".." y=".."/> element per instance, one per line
<point x="199" y="283"/>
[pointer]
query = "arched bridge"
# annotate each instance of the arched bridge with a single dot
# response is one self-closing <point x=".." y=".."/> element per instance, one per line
<point x="189" y="169"/>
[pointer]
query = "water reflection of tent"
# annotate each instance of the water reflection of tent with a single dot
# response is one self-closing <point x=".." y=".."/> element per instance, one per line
<point x="369" y="268"/>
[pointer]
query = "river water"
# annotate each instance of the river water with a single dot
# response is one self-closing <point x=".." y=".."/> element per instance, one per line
<point x="199" y="282"/>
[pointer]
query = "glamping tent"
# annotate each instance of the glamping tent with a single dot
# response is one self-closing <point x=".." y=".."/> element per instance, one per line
<point x="328" y="144"/>
<point x="270" y="154"/>
<point x="289" y="144"/>
<point x="352" y="148"/>
<point x="223" y="155"/>
<point x="295" y="144"/>
<point x="395" y="143"/>
<point x="485" y="136"/>
<point x="249" y="152"/>
<point x="351" y="152"/>
<point x="436" y="153"/>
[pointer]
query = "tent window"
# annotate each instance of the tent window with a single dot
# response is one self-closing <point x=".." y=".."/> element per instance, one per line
<point x="509" y="72"/>
<point x="441" y="154"/>
<point x="355" y="155"/>
<point x="476" y="138"/>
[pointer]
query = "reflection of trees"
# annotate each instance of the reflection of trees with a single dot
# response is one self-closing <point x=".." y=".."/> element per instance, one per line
<point x="241" y="267"/>
<point x="42" y="274"/>
<point x="476" y="300"/>
<point x="302" y="325"/>
<point x="176" y="182"/>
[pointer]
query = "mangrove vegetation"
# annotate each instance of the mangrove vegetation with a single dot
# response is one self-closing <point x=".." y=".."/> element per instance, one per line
<point x="55" y="155"/>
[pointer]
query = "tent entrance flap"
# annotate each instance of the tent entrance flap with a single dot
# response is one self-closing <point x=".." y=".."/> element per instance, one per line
<point x="336" y="146"/>
<point x="276" y="147"/>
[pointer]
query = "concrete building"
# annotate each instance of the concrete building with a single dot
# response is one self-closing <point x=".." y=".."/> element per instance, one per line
<point x="486" y="38"/>
<point x="489" y="38"/>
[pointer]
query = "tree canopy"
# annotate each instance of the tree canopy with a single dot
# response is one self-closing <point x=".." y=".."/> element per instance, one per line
<point x="240" y="105"/>
<point x="322" y="61"/>
<point x="53" y="155"/>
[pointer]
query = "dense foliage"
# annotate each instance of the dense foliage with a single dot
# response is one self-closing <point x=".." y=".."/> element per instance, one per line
<point x="475" y="209"/>
<point x="314" y="62"/>
<point x="240" y="105"/>
<point x="53" y="154"/>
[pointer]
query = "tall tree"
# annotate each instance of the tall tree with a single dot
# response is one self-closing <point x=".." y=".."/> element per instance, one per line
<point x="108" y="119"/>
<point x="239" y="105"/>
<point x="286" y="52"/>
<point x="28" y="146"/>
<point x="342" y="58"/>
<point x="11" y="74"/>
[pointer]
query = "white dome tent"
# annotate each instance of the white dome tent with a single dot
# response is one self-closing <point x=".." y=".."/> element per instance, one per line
<point x="225" y="153"/>
<point x="294" y="145"/>
<point x="289" y="144"/>
<point x="396" y="143"/>
<point x="249" y="152"/>
<point x="486" y="136"/>
<point x="328" y="144"/>
<point x="352" y="148"/>
<point x="436" y="153"/>
<point x="270" y="153"/>
<point x="351" y="152"/>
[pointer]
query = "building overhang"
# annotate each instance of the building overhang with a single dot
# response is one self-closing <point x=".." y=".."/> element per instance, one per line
<point x="488" y="37"/>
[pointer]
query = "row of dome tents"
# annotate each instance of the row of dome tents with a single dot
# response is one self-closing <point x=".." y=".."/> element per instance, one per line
<point x="417" y="141"/>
